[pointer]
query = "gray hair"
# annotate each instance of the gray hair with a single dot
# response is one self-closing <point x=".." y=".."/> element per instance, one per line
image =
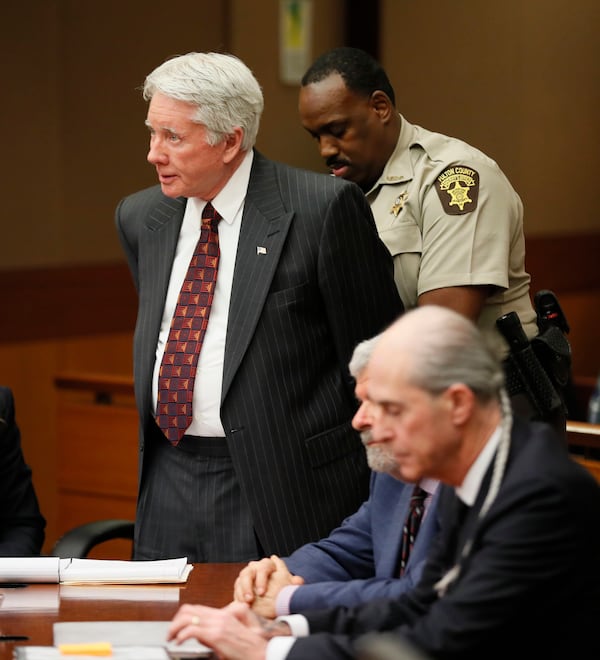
<point x="361" y="356"/>
<point x="223" y="89"/>
<point x="456" y="352"/>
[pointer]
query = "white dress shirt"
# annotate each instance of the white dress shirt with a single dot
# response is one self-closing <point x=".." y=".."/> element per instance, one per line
<point x="229" y="203"/>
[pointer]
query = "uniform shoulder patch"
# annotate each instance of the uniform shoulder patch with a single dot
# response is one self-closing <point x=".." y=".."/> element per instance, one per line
<point x="458" y="189"/>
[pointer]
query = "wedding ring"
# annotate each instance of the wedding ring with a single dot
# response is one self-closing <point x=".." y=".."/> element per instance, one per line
<point x="195" y="620"/>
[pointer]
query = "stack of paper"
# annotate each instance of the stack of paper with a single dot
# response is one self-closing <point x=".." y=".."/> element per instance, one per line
<point x="93" y="571"/>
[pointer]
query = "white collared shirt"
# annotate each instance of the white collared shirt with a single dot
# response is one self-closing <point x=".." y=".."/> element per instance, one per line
<point x="229" y="203"/>
<point x="471" y="484"/>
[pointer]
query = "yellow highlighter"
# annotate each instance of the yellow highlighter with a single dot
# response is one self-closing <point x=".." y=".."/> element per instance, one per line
<point x="95" y="648"/>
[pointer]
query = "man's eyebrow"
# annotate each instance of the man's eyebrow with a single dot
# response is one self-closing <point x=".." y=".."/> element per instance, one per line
<point x="168" y="129"/>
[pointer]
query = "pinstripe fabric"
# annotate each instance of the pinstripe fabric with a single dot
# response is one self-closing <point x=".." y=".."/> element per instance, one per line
<point x="296" y="313"/>
<point x="194" y="483"/>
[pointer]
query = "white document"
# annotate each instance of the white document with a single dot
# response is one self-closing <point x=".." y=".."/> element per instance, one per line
<point x="118" y="653"/>
<point x="29" y="569"/>
<point x="107" y="571"/>
<point x="127" y="633"/>
<point x="93" y="571"/>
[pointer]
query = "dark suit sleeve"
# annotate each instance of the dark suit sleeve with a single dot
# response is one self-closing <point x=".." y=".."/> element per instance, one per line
<point x="356" y="273"/>
<point x="341" y="569"/>
<point x="21" y="523"/>
<point x="531" y="554"/>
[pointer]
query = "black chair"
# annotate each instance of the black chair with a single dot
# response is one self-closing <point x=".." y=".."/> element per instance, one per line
<point x="79" y="541"/>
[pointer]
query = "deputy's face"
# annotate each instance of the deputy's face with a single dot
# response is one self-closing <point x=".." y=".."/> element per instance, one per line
<point x="186" y="165"/>
<point x="413" y="426"/>
<point x="347" y="127"/>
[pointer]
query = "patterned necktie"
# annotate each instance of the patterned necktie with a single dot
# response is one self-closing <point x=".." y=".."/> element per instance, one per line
<point x="188" y="326"/>
<point x="411" y="526"/>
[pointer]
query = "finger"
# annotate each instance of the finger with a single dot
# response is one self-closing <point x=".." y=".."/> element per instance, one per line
<point x="182" y="619"/>
<point x="243" y="591"/>
<point x="279" y="563"/>
<point x="263" y="574"/>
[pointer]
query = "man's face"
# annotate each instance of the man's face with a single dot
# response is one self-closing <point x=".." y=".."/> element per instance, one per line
<point x="414" y="427"/>
<point x="186" y="165"/>
<point x="348" y="130"/>
<point x="377" y="457"/>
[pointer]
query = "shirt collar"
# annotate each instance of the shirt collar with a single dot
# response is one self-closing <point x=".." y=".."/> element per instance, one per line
<point x="231" y="197"/>
<point x="399" y="166"/>
<point x="471" y="484"/>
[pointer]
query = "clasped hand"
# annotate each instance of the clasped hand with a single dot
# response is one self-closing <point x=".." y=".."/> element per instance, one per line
<point x="259" y="583"/>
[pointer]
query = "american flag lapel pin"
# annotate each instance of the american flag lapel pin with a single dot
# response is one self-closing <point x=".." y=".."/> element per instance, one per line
<point x="261" y="250"/>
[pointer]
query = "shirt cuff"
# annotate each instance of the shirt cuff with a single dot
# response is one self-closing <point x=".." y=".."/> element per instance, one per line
<point x="279" y="647"/>
<point x="298" y="624"/>
<point x="284" y="597"/>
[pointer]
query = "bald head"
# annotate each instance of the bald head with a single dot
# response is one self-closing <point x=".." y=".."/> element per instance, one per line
<point x="434" y="393"/>
<point x="434" y="347"/>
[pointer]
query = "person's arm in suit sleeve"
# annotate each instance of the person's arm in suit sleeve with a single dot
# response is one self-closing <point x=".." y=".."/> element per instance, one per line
<point x="473" y="612"/>
<point x="21" y="523"/>
<point x="345" y="554"/>
<point x="346" y="566"/>
<point x="350" y="593"/>
<point x="356" y="273"/>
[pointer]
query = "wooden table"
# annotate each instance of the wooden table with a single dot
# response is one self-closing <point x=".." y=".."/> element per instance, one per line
<point x="208" y="584"/>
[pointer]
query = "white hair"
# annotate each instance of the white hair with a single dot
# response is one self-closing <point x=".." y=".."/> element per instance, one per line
<point x="223" y="89"/>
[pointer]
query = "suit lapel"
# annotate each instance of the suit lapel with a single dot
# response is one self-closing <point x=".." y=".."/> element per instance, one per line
<point x="157" y="249"/>
<point x="265" y="225"/>
<point x="392" y="558"/>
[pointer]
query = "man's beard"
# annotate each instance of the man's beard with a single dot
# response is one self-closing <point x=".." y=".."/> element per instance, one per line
<point x="377" y="458"/>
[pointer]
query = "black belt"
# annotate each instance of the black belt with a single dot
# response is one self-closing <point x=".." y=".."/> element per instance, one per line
<point x="203" y="445"/>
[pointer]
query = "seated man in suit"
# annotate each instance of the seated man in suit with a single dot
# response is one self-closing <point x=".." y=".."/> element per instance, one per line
<point x="368" y="556"/>
<point x="514" y="568"/>
<point x="21" y="523"/>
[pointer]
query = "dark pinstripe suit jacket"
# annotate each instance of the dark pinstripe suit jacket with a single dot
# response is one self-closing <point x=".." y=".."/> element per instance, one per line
<point x="296" y="314"/>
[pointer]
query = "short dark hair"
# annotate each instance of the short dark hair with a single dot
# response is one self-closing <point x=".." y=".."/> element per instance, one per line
<point x="362" y="73"/>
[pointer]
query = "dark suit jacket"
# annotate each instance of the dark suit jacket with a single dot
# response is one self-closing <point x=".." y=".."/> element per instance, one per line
<point x="21" y="523"/>
<point x="296" y="314"/>
<point x="530" y="587"/>
<point x="358" y="561"/>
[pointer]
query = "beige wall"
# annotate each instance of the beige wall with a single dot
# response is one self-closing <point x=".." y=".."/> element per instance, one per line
<point x="74" y="138"/>
<point x="521" y="80"/>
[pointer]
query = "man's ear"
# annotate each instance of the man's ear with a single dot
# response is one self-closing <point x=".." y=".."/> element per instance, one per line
<point x="460" y="400"/>
<point x="381" y="104"/>
<point x="233" y="144"/>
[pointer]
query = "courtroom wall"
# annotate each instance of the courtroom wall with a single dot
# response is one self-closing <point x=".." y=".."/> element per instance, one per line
<point x="521" y="80"/>
<point x="518" y="79"/>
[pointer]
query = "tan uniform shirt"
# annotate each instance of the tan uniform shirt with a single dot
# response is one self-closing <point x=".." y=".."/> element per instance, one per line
<point x="450" y="217"/>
